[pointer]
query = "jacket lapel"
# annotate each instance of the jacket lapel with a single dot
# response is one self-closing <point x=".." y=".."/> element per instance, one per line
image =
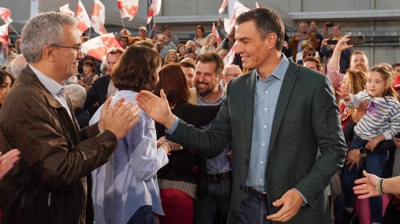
<point x="249" y="105"/>
<point x="283" y="100"/>
<point x="30" y="78"/>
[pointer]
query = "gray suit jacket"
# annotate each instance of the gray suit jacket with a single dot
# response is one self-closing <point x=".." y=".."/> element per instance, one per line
<point x="306" y="118"/>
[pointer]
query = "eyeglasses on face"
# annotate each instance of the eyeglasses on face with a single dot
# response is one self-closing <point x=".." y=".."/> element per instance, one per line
<point x="76" y="48"/>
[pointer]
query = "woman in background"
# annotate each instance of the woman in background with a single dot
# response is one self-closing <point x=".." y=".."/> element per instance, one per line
<point x="200" y="39"/>
<point x="178" y="179"/>
<point x="6" y="81"/>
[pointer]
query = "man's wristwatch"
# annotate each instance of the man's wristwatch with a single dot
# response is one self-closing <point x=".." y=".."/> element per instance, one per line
<point x="362" y="152"/>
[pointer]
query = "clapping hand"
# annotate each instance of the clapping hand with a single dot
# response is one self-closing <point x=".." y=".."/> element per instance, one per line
<point x="7" y="161"/>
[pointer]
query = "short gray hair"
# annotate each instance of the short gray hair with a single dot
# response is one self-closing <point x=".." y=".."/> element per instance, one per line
<point x="231" y="66"/>
<point x="76" y="92"/>
<point x="43" y="29"/>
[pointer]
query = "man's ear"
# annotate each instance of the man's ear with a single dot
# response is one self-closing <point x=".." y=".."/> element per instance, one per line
<point x="47" y="53"/>
<point x="271" y="40"/>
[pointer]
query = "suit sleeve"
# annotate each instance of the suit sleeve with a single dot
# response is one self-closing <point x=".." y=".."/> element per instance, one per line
<point x="209" y="143"/>
<point x="329" y="136"/>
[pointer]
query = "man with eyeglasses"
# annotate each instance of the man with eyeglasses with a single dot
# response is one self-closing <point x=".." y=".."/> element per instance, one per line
<point x="51" y="182"/>
<point x="230" y="72"/>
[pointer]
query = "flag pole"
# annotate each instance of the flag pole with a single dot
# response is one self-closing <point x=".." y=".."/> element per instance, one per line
<point x="123" y="24"/>
<point x="14" y="29"/>
<point x="7" y="55"/>
<point x="150" y="24"/>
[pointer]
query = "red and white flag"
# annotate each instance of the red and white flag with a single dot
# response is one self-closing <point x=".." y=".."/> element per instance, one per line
<point x="128" y="8"/>
<point x="99" y="17"/>
<point x="231" y="55"/>
<point x="82" y="17"/>
<point x="154" y="9"/>
<point x="258" y="5"/>
<point x="223" y="5"/>
<point x="4" y="34"/>
<point x="5" y="14"/>
<point x="65" y="10"/>
<point x="238" y="9"/>
<point x="215" y="33"/>
<point x="98" y="47"/>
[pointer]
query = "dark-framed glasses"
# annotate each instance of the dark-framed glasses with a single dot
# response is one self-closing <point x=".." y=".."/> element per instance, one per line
<point x="76" y="48"/>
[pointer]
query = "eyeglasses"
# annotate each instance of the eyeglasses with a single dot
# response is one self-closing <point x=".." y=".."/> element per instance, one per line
<point x="76" y="48"/>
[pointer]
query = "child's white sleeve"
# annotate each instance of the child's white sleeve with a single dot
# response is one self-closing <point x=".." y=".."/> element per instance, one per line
<point x="356" y="100"/>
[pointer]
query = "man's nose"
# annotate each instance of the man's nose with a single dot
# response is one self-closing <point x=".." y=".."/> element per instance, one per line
<point x="79" y="55"/>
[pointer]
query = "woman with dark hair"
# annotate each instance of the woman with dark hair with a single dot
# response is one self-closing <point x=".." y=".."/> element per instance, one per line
<point x="178" y="179"/>
<point x="6" y="81"/>
<point x="200" y="38"/>
<point x="90" y="74"/>
<point x="125" y="188"/>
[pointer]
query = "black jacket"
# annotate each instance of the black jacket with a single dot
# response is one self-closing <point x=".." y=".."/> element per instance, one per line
<point x="97" y="92"/>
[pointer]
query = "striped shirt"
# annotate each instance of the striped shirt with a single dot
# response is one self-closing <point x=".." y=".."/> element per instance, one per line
<point x="382" y="116"/>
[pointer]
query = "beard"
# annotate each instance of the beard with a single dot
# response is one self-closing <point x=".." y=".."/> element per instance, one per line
<point x="205" y="91"/>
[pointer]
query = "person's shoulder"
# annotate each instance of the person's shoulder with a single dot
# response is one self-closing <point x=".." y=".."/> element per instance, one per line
<point x="102" y="80"/>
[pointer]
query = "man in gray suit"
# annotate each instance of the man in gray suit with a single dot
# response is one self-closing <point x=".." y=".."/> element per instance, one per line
<point x="275" y="117"/>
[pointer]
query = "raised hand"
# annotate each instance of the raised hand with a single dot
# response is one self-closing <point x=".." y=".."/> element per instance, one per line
<point x="157" y="108"/>
<point x="344" y="93"/>
<point x="342" y="43"/>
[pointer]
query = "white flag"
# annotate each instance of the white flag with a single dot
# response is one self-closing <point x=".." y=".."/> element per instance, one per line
<point x="5" y="14"/>
<point x="82" y="17"/>
<point x="238" y="9"/>
<point x="98" y="17"/>
<point x="65" y="10"/>
<point x="154" y="9"/>
<point x="128" y="8"/>
<point x="223" y="5"/>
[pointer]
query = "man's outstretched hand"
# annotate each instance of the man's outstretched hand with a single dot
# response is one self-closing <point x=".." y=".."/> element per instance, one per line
<point x="157" y="108"/>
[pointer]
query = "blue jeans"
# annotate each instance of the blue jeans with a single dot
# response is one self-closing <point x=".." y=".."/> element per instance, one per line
<point x="374" y="163"/>
<point x="144" y="215"/>
<point x="253" y="211"/>
<point x="216" y="202"/>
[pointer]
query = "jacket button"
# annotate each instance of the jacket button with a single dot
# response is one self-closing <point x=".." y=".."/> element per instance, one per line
<point x="241" y="187"/>
<point x="247" y="161"/>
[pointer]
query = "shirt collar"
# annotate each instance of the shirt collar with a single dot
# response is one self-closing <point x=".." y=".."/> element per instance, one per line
<point x="52" y="86"/>
<point x="206" y="101"/>
<point x="280" y="70"/>
<point x="124" y="93"/>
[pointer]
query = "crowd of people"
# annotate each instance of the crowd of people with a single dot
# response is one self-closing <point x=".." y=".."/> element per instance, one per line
<point x="166" y="132"/>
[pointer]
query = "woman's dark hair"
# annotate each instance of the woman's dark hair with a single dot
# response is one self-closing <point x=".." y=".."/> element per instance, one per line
<point x="173" y="81"/>
<point x="3" y="75"/>
<point x="202" y="30"/>
<point x="90" y="64"/>
<point x="136" y="69"/>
